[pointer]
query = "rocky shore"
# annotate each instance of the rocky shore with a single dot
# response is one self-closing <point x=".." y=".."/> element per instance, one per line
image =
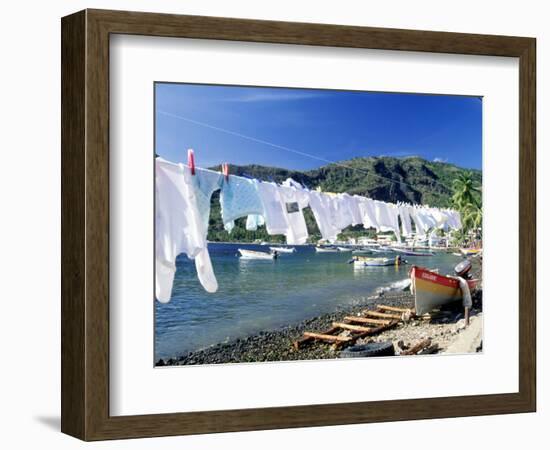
<point x="443" y="330"/>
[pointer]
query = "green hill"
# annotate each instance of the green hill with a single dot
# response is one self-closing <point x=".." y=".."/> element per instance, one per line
<point x="411" y="179"/>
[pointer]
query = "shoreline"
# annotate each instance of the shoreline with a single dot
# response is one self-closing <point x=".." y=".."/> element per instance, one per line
<point x="277" y="345"/>
<point x="443" y="328"/>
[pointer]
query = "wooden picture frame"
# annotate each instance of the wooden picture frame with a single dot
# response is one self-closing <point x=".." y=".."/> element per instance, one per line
<point x="85" y="224"/>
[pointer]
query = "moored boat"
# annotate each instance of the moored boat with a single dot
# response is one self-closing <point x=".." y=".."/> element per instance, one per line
<point x="432" y="290"/>
<point x="363" y="261"/>
<point x="470" y="251"/>
<point x="283" y="249"/>
<point x="253" y="254"/>
<point x="326" y="249"/>
<point x="344" y="249"/>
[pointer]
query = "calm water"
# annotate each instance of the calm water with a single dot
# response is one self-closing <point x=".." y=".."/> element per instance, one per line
<point x="257" y="295"/>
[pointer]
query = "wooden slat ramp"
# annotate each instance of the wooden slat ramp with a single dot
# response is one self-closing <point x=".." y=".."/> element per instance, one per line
<point x="368" y="323"/>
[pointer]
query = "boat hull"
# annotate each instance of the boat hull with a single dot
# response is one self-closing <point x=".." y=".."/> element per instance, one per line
<point x="283" y="249"/>
<point x="250" y="254"/>
<point x="326" y="250"/>
<point x="470" y="251"/>
<point x="374" y="262"/>
<point x="432" y="290"/>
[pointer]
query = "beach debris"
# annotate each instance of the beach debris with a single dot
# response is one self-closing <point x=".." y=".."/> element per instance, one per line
<point x="326" y="337"/>
<point x="415" y="349"/>
<point x="347" y="326"/>
<point x="383" y="315"/>
<point x="347" y="331"/>
<point x="367" y="320"/>
<point x="406" y="313"/>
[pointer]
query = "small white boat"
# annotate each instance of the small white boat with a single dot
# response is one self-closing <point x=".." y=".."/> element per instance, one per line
<point x="344" y="249"/>
<point x="326" y="250"/>
<point x="252" y="254"/>
<point x="376" y="262"/>
<point x="283" y="249"/>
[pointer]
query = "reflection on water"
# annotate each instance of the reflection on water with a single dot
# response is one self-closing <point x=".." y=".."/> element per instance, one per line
<point x="256" y="295"/>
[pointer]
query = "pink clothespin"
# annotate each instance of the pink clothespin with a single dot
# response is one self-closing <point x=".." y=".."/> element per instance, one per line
<point x="225" y="170"/>
<point x="191" y="160"/>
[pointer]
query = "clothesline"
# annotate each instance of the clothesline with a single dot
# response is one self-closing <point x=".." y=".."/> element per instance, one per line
<point x="183" y="211"/>
<point x="285" y="148"/>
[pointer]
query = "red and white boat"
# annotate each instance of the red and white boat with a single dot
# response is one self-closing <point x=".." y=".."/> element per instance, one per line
<point x="432" y="290"/>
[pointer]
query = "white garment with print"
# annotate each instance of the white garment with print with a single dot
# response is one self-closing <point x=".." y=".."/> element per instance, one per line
<point x="294" y="200"/>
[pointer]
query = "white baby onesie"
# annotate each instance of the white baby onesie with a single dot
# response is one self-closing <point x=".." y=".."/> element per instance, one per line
<point x="181" y="220"/>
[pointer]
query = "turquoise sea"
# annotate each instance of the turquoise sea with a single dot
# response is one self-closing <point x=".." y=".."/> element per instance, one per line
<point x="256" y="295"/>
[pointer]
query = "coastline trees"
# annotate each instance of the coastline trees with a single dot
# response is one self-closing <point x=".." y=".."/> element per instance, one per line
<point x="466" y="199"/>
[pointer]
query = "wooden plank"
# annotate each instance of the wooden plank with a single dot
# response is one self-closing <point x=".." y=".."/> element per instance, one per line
<point x="347" y="326"/>
<point x="367" y="320"/>
<point x="371" y="332"/>
<point x="383" y="315"/>
<point x="393" y="308"/>
<point x="326" y="337"/>
<point x="307" y="340"/>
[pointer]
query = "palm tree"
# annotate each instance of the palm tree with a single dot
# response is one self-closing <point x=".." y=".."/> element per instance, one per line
<point x="465" y="192"/>
<point x="467" y="200"/>
<point x="472" y="216"/>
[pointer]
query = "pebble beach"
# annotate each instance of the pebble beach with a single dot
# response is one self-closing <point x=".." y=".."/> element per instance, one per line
<point x="444" y="330"/>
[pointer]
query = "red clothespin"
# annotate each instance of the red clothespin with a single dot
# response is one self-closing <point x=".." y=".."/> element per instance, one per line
<point x="225" y="170"/>
<point x="191" y="160"/>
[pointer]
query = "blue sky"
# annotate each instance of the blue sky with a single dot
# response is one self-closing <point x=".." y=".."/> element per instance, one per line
<point x="325" y="124"/>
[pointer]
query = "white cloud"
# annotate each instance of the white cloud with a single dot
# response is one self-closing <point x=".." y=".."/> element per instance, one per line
<point x="441" y="160"/>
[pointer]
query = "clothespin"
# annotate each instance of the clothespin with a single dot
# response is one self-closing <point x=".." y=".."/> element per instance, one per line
<point x="225" y="171"/>
<point x="191" y="160"/>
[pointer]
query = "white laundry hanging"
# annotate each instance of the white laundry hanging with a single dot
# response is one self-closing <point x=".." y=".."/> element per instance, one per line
<point x="183" y="208"/>
<point x="181" y="215"/>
